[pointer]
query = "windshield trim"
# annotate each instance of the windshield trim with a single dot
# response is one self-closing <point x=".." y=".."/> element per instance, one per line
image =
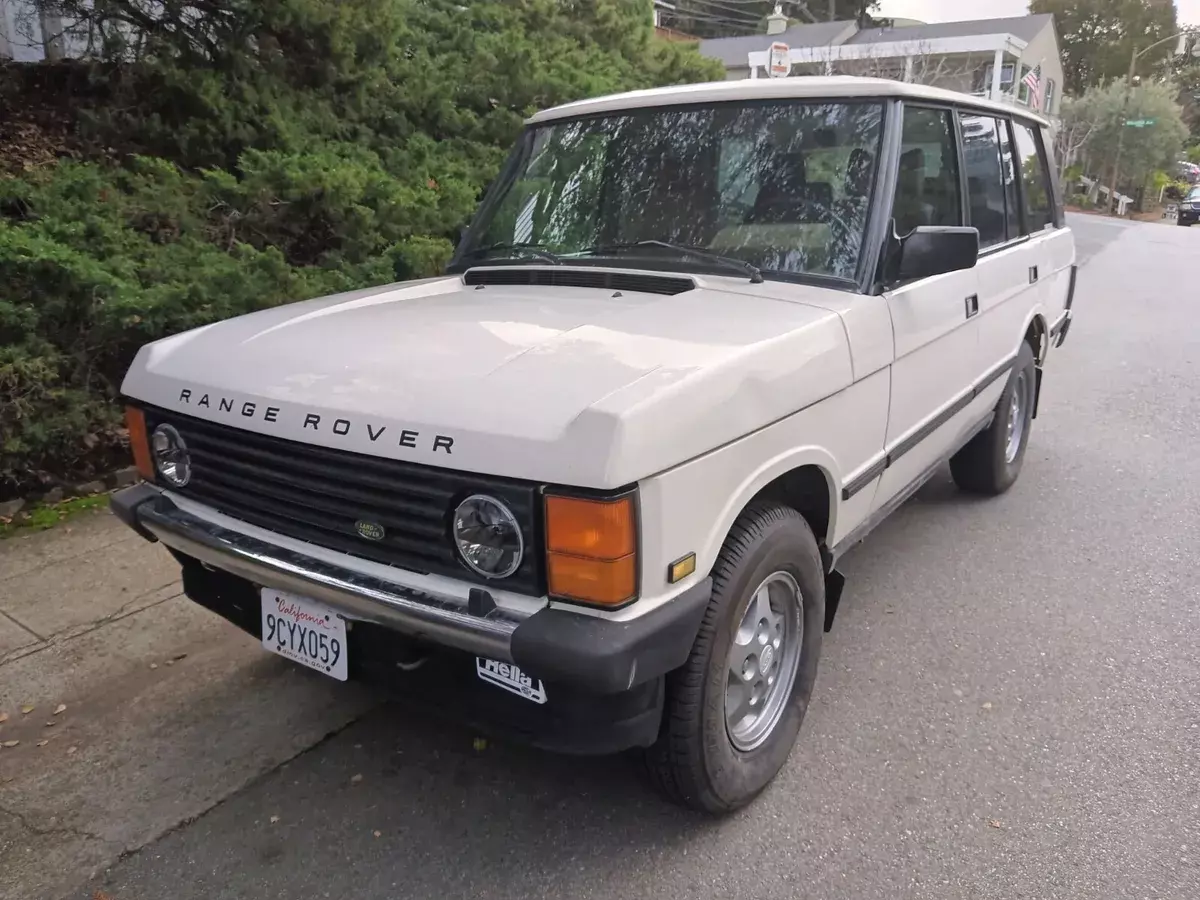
<point x="865" y="268"/>
<point x="646" y="262"/>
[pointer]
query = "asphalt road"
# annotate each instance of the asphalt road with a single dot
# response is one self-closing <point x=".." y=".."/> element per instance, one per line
<point x="1008" y="705"/>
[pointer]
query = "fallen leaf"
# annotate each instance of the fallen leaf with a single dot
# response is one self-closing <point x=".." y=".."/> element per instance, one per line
<point x="100" y="895"/>
<point x="9" y="744"/>
<point x="178" y="656"/>
<point x="61" y="708"/>
<point x="170" y="662"/>
<point x="377" y="833"/>
<point x="51" y="724"/>
<point x="27" y="708"/>
<point x="154" y="665"/>
<point x="480" y="744"/>
<point x="274" y="819"/>
<point x="3" y="718"/>
<point x="71" y="750"/>
<point x="42" y="743"/>
<point x="355" y="779"/>
<point x="987" y="706"/>
<point x="995" y="823"/>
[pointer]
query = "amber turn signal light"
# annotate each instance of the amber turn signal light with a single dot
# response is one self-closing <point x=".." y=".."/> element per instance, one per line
<point x="139" y="441"/>
<point x="591" y="549"/>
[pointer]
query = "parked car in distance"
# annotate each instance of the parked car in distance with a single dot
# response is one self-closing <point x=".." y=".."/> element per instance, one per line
<point x="590" y="487"/>
<point x="1188" y="212"/>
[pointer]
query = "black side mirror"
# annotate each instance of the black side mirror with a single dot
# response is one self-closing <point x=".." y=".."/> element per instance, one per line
<point x="936" y="249"/>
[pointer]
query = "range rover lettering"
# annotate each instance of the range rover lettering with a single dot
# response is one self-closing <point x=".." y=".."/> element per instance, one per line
<point x="590" y="487"/>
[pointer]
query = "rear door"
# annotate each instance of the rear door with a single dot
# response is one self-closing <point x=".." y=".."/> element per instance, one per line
<point x="1009" y="267"/>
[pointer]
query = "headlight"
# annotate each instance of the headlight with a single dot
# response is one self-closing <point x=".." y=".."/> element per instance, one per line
<point x="171" y="457"/>
<point x="488" y="536"/>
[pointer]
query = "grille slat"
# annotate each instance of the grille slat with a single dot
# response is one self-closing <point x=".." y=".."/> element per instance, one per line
<point x="326" y="512"/>
<point x="385" y="503"/>
<point x="318" y="494"/>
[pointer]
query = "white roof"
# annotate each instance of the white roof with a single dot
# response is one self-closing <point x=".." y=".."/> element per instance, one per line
<point x="797" y="86"/>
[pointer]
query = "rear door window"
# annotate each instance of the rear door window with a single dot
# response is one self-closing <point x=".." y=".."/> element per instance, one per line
<point x="986" y="189"/>
<point x="1035" y="180"/>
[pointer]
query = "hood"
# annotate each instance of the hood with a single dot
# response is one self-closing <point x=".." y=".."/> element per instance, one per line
<point x="570" y="385"/>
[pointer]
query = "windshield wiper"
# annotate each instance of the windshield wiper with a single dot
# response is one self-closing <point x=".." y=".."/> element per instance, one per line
<point x="729" y="262"/>
<point x="538" y="250"/>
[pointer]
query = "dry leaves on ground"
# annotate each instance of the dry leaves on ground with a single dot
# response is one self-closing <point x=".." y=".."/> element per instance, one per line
<point x="61" y="708"/>
<point x="27" y="708"/>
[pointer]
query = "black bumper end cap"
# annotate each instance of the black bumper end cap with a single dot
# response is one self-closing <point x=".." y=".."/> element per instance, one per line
<point x="124" y="505"/>
<point x="608" y="657"/>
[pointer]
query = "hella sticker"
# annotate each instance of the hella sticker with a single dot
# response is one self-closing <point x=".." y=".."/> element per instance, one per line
<point x="510" y="678"/>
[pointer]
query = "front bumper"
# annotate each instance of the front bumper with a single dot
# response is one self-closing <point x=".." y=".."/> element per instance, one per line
<point x="575" y="649"/>
<point x="1188" y="216"/>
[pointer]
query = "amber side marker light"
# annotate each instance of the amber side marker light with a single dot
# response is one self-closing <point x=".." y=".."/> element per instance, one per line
<point x="139" y="442"/>
<point x="681" y="568"/>
<point x="591" y="549"/>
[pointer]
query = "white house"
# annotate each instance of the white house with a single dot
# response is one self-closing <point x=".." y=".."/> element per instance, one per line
<point x="985" y="57"/>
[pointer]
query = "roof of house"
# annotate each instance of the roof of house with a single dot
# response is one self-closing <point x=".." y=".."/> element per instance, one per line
<point x="1024" y="27"/>
<point x="799" y="87"/>
<point x="732" y="50"/>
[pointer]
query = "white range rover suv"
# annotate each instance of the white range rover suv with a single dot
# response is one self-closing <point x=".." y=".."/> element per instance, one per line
<point x="589" y="488"/>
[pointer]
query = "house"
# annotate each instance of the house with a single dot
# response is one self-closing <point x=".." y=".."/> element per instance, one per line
<point x="985" y="57"/>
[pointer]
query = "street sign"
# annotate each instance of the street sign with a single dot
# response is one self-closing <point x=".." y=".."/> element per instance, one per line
<point x="1140" y="123"/>
<point x="779" y="63"/>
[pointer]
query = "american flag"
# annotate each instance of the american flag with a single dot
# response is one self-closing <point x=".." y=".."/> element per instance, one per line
<point x="1033" y="81"/>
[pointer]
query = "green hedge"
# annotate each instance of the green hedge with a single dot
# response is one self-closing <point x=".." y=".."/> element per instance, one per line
<point x="288" y="149"/>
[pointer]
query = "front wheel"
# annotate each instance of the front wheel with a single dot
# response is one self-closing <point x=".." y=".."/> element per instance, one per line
<point x="734" y="709"/>
<point x="991" y="461"/>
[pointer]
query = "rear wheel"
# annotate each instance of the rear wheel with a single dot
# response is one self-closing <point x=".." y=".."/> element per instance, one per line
<point x="733" y="711"/>
<point x="991" y="462"/>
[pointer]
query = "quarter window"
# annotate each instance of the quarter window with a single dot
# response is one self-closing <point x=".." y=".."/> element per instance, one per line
<point x="927" y="186"/>
<point x="1034" y="179"/>
<point x="986" y="206"/>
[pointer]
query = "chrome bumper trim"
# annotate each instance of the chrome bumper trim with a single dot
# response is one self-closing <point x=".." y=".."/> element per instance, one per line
<point x="439" y="618"/>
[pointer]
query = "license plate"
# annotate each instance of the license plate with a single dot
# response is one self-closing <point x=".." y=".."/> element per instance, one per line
<point x="305" y="632"/>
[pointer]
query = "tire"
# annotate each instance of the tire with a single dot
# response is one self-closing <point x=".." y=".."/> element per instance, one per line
<point x="984" y="465"/>
<point x="696" y="761"/>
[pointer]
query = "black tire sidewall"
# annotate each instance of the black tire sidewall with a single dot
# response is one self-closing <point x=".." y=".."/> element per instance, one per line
<point x="1006" y="471"/>
<point x="732" y="774"/>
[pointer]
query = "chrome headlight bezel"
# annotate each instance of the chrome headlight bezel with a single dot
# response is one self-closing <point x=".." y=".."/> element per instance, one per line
<point x="172" y="459"/>
<point x="484" y="511"/>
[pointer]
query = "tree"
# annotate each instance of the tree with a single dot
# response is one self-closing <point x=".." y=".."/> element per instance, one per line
<point x="1115" y="146"/>
<point x="1078" y="120"/>
<point x="1098" y="37"/>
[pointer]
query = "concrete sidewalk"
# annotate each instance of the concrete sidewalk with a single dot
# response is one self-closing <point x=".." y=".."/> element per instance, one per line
<point x="169" y="709"/>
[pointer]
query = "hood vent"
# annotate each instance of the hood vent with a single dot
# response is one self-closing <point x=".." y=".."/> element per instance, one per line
<point x="584" y="278"/>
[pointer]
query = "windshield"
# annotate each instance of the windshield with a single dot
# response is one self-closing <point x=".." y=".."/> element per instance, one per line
<point x="784" y="187"/>
<point x="1194" y="194"/>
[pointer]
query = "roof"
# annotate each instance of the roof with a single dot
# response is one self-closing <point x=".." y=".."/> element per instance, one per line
<point x="796" y="87"/>
<point x="1024" y="27"/>
<point x="732" y="50"/>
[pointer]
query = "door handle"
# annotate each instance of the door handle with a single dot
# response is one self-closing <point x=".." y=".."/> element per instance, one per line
<point x="972" y="304"/>
<point x="1032" y="274"/>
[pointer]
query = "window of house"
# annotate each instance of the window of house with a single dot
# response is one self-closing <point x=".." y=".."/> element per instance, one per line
<point x="1035" y="179"/>
<point x="1023" y="88"/>
<point x="927" y="187"/>
<point x="986" y="206"/>
<point x="1006" y="77"/>
<point x="1048" y="96"/>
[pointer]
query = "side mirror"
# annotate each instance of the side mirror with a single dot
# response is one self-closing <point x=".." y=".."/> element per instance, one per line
<point x="930" y="250"/>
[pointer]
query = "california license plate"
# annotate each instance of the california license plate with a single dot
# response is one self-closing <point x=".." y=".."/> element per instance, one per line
<point x="304" y="631"/>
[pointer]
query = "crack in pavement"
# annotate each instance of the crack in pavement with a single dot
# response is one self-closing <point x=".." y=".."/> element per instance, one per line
<point x="55" y="830"/>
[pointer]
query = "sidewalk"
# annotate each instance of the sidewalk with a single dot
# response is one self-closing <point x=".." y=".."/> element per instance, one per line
<point x="168" y="708"/>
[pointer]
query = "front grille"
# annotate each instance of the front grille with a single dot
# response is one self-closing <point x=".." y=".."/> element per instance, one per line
<point x="317" y="494"/>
